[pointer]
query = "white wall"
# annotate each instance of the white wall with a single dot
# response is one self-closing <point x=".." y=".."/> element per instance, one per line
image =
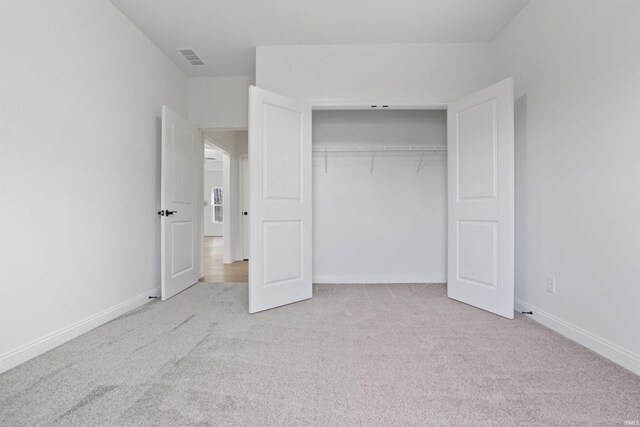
<point x="79" y="169"/>
<point x="397" y="74"/>
<point x="388" y="226"/>
<point x="219" y="102"/>
<point x="576" y="66"/>
<point x="212" y="178"/>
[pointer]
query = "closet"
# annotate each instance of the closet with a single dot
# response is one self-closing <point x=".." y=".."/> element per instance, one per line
<point x="379" y="196"/>
<point x="350" y="196"/>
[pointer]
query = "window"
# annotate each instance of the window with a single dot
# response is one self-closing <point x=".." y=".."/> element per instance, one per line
<point x="216" y="202"/>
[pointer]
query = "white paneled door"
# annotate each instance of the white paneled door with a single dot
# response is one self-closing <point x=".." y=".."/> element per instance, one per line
<point x="481" y="199"/>
<point x="181" y="203"/>
<point x="280" y="200"/>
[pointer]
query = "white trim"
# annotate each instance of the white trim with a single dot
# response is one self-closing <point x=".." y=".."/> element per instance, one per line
<point x="220" y="128"/>
<point x="41" y="345"/>
<point x="240" y="252"/>
<point x="611" y="351"/>
<point x="363" y="104"/>
<point x="380" y="278"/>
<point x="199" y="167"/>
<point x="227" y="231"/>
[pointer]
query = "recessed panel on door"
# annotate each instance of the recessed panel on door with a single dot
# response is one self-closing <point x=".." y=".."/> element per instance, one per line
<point x="182" y="169"/>
<point x="182" y="248"/>
<point x="281" y="144"/>
<point x="478" y="252"/>
<point x="282" y="252"/>
<point x="477" y="139"/>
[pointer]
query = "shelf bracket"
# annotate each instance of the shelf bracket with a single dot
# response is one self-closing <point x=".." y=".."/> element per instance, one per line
<point x="420" y="164"/>
<point x="326" y="155"/>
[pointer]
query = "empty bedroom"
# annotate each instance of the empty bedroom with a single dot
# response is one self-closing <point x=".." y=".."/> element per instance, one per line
<point x="319" y="212"/>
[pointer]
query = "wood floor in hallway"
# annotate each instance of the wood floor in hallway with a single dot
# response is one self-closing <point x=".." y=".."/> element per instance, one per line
<point x="215" y="270"/>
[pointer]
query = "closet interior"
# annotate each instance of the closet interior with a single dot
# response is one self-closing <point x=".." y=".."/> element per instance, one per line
<point x="379" y="196"/>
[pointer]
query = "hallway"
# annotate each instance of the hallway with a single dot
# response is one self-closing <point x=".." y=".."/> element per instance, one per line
<point x="215" y="271"/>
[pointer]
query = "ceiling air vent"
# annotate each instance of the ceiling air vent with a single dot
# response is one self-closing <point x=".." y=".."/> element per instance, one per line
<point x="191" y="56"/>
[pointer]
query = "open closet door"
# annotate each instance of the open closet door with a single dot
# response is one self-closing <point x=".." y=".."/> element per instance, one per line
<point x="481" y="199"/>
<point x="280" y="200"/>
<point x="181" y="195"/>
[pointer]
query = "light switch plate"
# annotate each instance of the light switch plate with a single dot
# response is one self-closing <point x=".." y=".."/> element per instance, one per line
<point x="551" y="284"/>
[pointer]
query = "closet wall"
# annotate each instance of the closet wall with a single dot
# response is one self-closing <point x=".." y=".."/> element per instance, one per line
<point x="398" y="74"/>
<point x="387" y="225"/>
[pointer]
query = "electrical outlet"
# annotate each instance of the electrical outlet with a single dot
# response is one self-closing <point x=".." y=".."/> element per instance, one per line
<point x="551" y="284"/>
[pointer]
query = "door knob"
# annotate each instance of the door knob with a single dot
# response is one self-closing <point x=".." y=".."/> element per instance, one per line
<point x="245" y="213"/>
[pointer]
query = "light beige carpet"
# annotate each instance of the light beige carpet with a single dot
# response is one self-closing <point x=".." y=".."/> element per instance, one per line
<point x="353" y="355"/>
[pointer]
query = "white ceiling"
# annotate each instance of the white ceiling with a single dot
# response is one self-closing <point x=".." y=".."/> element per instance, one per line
<point x="225" y="32"/>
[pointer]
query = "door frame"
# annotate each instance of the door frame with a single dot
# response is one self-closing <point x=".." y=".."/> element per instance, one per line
<point x="208" y="142"/>
<point x="229" y="197"/>
<point x="244" y="239"/>
<point x="226" y="202"/>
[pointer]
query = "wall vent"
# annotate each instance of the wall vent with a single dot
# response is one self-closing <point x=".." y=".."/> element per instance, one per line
<point x="190" y="55"/>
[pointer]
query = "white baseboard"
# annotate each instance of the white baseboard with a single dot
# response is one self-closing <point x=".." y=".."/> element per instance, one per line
<point x="381" y="278"/>
<point x="601" y="346"/>
<point x="37" y="347"/>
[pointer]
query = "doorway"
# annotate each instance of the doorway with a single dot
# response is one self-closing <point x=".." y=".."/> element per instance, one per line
<point x="215" y="270"/>
<point x="222" y="204"/>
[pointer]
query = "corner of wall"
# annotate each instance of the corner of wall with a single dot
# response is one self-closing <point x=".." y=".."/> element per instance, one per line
<point x="54" y="339"/>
